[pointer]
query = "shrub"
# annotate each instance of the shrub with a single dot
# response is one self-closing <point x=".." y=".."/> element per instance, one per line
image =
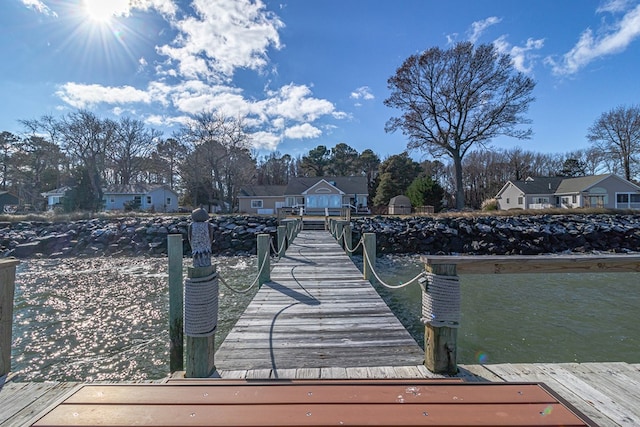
<point x="490" y="205"/>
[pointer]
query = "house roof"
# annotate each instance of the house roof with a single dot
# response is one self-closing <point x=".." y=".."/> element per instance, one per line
<point x="135" y="189"/>
<point x="539" y="185"/>
<point x="562" y="185"/>
<point x="262" y="191"/>
<point x="582" y="183"/>
<point x="347" y="184"/>
<point x="56" y="192"/>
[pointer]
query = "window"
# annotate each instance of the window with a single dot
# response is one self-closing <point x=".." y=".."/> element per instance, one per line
<point x="628" y="200"/>
<point x="574" y="199"/>
<point x="148" y="200"/>
<point x="508" y="200"/>
<point x="520" y="200"/>
<point x="168" y="201"/>
<point x="256" y="204"/>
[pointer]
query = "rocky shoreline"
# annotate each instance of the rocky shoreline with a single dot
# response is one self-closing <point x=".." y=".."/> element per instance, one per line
<point x="236" y="235"/>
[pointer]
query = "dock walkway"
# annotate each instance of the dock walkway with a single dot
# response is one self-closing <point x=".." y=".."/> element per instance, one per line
<point x="317" y="313"/>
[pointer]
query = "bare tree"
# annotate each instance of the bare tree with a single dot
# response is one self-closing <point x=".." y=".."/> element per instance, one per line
<point x="220" y="161"/>
<point x="456" y="98"/>
<point x="131" y="149"/>
<point x="86" y="140"/>
<point x="616" y="134"/>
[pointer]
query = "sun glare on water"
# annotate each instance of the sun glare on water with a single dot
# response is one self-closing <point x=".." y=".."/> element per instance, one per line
<point x="103" y="10"/>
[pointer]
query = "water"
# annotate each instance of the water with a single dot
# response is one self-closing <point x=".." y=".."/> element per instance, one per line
<point x="104" y="318"/>
<point x="107" y="318"/>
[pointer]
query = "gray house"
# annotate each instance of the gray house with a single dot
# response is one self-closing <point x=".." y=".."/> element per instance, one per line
<point x="601" y="191"/>
<point x="314" y="195"/>
<point x="158" y="198"/>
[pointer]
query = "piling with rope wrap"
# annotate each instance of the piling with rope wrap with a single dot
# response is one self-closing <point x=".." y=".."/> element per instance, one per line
<point x="441" y="317"/>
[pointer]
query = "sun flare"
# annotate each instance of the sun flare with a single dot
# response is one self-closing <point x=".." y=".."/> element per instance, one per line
<point x="103" y="10"/>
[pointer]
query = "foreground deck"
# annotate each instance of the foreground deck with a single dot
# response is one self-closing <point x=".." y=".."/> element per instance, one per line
<point x="607" y="393"/>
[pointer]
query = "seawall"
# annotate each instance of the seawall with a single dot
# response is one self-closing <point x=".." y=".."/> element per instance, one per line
<point x="236" y="235"/>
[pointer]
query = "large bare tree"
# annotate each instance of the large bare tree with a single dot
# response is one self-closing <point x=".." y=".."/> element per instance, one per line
<point x="616" y="133"/>
<point x="220" y="161"/>
<point x="453" y="99"/>
<point x="131" y="149"/>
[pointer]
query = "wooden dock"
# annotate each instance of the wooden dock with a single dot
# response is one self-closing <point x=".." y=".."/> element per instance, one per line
<point x="316" y="314"/>
<point x="318" y="320"/>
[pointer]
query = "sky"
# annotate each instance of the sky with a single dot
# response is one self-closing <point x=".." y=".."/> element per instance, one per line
<point x="303" y="73"/>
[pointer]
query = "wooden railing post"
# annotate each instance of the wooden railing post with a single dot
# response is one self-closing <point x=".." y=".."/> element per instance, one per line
<point x="440" y="342"/>
<point x="176" y="301"/>
<point x="264" y="260"/>
<point x="368" y="256"/>
<point x="282" y="238"/>
<point x="348" y="240"/>
<point x="339" y="231"/>
<point x="290" y="231"/>
<point x="7" y="292"/>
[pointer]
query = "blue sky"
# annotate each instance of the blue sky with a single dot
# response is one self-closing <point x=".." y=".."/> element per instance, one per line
<point x="304" y="73"/>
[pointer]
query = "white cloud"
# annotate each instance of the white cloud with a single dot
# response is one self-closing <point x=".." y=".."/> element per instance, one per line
<point x="589" y="48"/>
<point x="265" y="140"/>
<point x="363" y="92"/>
<point x="225" y="35"/>
<point x="613" y="6"/>
<point x="478" y="27"/>
<point x="39" y="7"/>
<point x="303" y="131"/>
<point x="294" y="102"/>
<point x="83" y="96"/>
<point x="522" y="57"/>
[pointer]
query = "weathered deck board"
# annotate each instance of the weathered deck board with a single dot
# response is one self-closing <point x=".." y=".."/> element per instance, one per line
<point x="316" y="312"/>
<point x="314" y="402"/>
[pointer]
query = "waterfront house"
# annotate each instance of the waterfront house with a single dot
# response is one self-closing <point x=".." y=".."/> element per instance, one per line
<point x="312" y="195"/>
<point x="597" y="191"/>
<point x="55" y="197"/>
<point x="157" y="198"/>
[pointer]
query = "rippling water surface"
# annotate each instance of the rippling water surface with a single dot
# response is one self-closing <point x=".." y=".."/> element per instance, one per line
<point x="107" y="318"/>
<point x="103" y="318"/>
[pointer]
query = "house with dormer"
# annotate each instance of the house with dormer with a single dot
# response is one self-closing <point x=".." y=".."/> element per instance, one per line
<point x="311" y="195"/>
<point x="595" y="191"/>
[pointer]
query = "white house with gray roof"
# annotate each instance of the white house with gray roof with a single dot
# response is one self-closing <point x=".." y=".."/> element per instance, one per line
<point x="315" y="195"/>
<point x="598" y="191"/>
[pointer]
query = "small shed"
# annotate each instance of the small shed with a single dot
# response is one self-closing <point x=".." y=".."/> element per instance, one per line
<point x="400" y="205"/>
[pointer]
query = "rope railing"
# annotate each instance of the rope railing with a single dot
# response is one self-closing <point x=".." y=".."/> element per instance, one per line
<point x="360" y="243"/>
<point x="386" y="285"/>
<point x="253" y="284"/>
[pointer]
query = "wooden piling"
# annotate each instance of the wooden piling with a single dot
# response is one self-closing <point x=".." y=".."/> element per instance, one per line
<point x="348" y="239"/>
<point x="369" y="256"/>
<point x="282" y="238"/>
<point x="440" y="342"/>
<point x="7" y="291"/>
<point x="264" y="260"/>
<point x="339" y="233"/>
<point x="176" y="300"/>
<point x="200" y="361"/>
